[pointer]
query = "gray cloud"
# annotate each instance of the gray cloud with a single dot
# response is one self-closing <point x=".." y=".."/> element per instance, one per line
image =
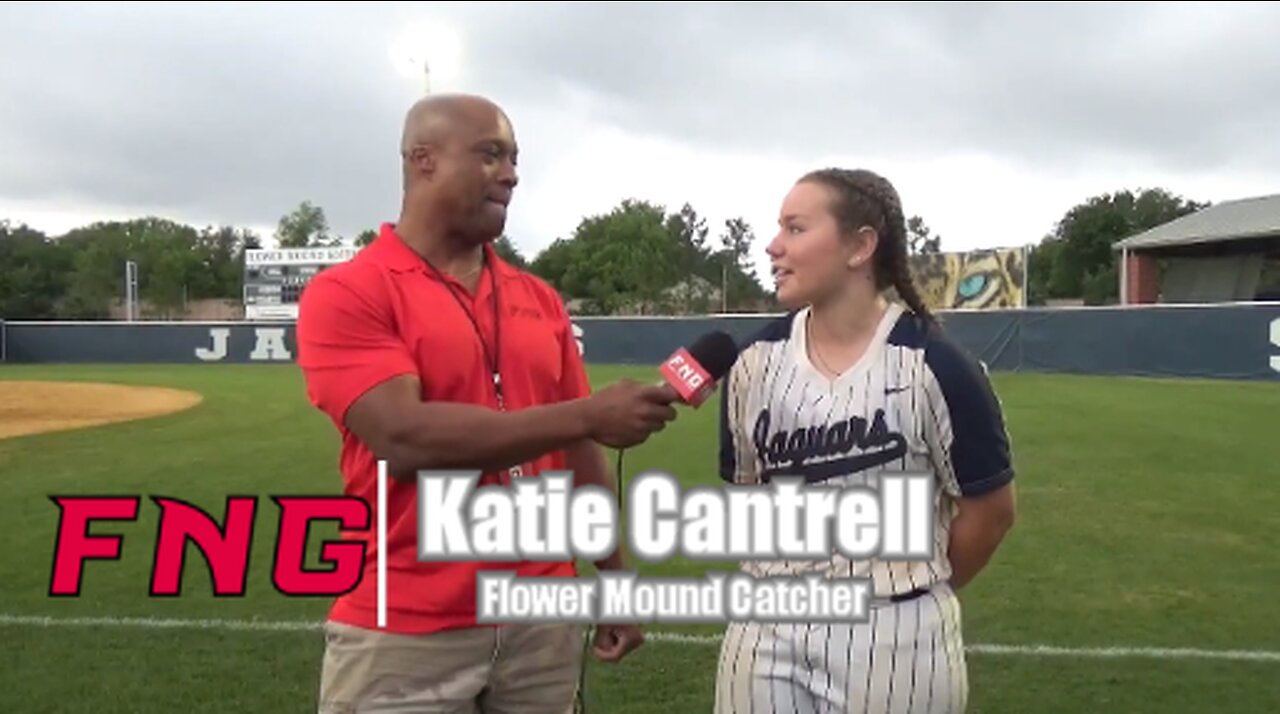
<point x="211" y="113"/>
<point x="242" y="112"/>
<point x="1183" y="86"/>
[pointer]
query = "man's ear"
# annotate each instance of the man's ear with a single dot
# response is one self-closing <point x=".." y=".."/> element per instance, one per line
<point x="423" y="158"/>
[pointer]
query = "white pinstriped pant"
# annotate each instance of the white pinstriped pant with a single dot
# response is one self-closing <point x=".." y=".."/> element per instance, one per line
<point x="907" y="658"/>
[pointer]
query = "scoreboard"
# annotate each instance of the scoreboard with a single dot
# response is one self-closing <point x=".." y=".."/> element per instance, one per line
<point x="274" y="278"/>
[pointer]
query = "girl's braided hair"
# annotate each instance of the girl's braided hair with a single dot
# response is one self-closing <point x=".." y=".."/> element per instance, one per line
<point x="864" y="198"/>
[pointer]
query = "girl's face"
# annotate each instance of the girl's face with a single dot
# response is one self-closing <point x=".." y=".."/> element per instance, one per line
<point x="811" y="260"/>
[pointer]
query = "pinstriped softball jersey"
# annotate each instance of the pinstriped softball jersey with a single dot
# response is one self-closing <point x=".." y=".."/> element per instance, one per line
<point x="914" y="402"/>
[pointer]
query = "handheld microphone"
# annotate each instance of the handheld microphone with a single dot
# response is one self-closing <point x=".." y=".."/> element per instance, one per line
<point x="694" y="371"/>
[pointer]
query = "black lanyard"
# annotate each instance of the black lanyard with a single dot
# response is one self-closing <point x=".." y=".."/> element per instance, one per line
<point x="491" y="360"/>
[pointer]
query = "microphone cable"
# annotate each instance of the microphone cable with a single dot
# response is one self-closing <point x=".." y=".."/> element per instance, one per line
<point x="618" y="470"/>
<point x="580" y="699"/>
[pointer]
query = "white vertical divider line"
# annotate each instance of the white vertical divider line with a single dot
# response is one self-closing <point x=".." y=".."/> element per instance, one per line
<point x="382" y="544"/>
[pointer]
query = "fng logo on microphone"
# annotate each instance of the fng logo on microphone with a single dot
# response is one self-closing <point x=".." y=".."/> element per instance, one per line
<point x="688" y="377"/>
<point x="686" y="372"/>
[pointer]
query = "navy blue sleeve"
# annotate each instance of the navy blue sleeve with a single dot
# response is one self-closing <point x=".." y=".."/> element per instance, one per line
<point x="734" y="390"/>
<point x="728" y="457"/>
<point x="970" y="435"/>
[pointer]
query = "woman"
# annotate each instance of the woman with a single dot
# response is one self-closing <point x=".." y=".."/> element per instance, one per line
<point x="848" y="386"/>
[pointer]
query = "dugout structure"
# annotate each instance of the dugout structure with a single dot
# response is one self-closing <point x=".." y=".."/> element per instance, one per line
<point x="274" y="278"/>
<point x="1228" y="252"/>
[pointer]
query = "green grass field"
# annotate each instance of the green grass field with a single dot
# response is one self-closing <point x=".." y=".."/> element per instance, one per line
<point x="1148" y="519"/>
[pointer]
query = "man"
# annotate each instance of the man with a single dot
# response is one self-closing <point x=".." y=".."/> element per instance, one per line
<point x="430" y="352"/>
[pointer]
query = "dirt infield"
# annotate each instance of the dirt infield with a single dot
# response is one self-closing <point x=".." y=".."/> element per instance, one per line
<point x="33" y="407"/>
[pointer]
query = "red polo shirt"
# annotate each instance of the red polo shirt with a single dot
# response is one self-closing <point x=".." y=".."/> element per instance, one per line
<point x="385" y="313"/>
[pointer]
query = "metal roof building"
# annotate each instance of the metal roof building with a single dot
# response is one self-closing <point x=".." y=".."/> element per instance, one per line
<point x="1226" y="252"/>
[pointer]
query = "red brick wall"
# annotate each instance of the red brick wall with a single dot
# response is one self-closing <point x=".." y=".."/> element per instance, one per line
<point x="1142" y="279"/>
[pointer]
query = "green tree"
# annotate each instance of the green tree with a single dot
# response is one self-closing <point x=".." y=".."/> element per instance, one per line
<point x="700" y="272"/>
<point x="33" y="272"/>
<point x="305" y="226"/>
<point x="690" y="231"/>
<point x="552" y="264"/>
<point x="920" y="240"/>
<point x="366" y="237"/>
<point x="627" y="259"/>
<point x="1040" y="261"/>
<point x="221" y="252"/>
<point x="739" y="280"/>
<point x="507" y="250"/>
<point x="621" y="261"/>
<point x="639" y="258"/>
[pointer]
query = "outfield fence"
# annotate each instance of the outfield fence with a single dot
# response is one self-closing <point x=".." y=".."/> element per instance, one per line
<point x="1231" y="341"/>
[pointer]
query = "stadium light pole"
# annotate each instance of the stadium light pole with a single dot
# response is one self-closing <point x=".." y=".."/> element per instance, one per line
<point x="1026" y="275"/>
<point x="130" y="290"/>
<point x="429" y="52"/>
<point x="724" y="285"/>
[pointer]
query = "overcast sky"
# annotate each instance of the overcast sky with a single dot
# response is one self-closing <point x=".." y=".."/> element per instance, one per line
<point x="992" y="120"/>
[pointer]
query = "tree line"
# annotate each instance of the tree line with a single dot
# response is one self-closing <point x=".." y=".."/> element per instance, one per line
<point x="638" y="258"/>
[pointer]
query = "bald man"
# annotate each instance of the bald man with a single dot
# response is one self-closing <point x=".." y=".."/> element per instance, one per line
<point x="429" y="352"/>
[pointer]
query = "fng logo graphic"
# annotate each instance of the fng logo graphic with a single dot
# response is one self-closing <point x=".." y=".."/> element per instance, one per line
<point x="225" y="547"/>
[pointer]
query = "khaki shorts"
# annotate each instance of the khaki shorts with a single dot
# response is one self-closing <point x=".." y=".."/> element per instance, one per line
<point x="527" y="668"/>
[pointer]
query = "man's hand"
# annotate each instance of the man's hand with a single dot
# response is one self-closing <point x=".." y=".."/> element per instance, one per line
<point x="625" y="413"/>
<point x="613" y="642"/>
